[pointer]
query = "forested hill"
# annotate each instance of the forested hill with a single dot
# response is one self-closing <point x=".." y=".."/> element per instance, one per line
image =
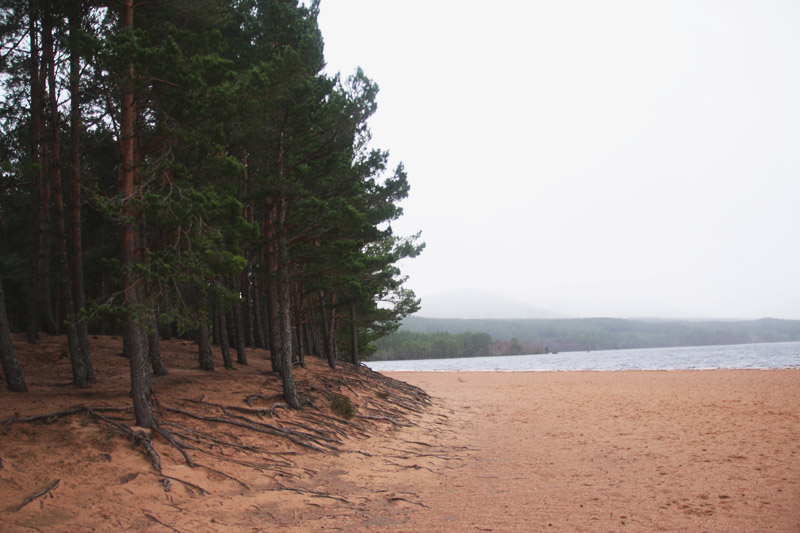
<point x="613" y="333"/>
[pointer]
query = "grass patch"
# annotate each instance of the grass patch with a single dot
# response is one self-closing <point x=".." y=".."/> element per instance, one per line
<point x="341" y="405"/>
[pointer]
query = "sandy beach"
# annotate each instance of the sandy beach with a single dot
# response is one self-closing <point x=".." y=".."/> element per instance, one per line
<point x="564" y="451"/>
<point x="617" y="451"/>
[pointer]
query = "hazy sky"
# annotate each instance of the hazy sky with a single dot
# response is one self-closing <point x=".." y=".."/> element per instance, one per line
<point x="596" y="158"/>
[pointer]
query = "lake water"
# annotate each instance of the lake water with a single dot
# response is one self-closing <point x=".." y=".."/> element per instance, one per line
<point x="744" y="356"/>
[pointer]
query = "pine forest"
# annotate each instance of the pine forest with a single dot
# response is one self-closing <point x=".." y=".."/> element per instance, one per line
<point x="187" y="169"/>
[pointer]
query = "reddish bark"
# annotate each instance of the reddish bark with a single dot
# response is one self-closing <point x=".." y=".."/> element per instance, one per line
<point x="68" y="309"/>
<point x="139" y="368"/>
<point x="76" y="238"/>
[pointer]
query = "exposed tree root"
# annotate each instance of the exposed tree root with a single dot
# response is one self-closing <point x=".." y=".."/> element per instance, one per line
<point x="8" y="423"/>
<point x="401" y="499"/>
<point x="181" y="446"/>
<point x="184" y="483"/>
<point x="28" y="499"/>
<point x="223" y="474"/>
<point x="314" y="493"/>
<point x="154" y="519"/>
<point x="136" y="436"/>
<point x="187" y="427"/>
<point x="259" y="427"/>
<point x="309" y="432"/>
<point x="213" y="442"/>
<point x="415" y="467"/>
<point x="387" y="418"/>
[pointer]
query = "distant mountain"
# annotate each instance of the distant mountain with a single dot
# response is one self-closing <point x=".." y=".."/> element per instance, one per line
<point x="478" y="303"/>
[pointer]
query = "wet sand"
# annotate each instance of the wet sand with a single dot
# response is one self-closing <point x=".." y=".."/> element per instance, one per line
<point x="614" y="451"/>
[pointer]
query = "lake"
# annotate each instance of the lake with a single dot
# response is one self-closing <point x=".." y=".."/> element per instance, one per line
<point x="737" y="356"/>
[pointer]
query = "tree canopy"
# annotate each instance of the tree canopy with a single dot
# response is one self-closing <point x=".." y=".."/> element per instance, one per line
<point x="188" y="168"/>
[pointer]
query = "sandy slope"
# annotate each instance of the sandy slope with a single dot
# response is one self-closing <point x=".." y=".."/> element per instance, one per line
<point x="624" y="451"/>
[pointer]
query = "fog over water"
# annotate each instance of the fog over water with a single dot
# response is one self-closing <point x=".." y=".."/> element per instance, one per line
<point x="620" y="158"/>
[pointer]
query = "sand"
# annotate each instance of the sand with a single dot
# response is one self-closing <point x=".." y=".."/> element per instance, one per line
<point x="596" y="451"/>
<point x="617" y="451"/>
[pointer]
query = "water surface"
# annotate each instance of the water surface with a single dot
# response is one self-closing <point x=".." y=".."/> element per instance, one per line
<point x="738" y="356"/>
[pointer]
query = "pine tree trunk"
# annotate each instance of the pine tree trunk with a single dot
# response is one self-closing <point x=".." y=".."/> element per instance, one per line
<point x="263" y="298"/>
<point x="273" y="304"/>
<point x="285" y="310"/>
<point x="224" y="346"/>
<point x="258" y="319"/>
<point x="214" y="319"/>
<point x="43" y="311"/>
<point x="67" y="306"/>
<point x="35" y="122"/>
<point x="78" y="292"/>
<point x="238" y="331"/>
<point x="154" y="347"/>
<point x="247" y="307"/>
<point x="326" y="331"/>
<point x="204" y="346"/>
<point x="298" y="333"/>
<point x="353" y="335"/>
<point x="247" y="276"/>
<point x="45" y="301"/>
<point x="312" y="322"/>
<point x="332" y="344"/>
<point x="140" y="377"/>
<point x="11" y="369"/>
<point x="307" y="337"/>
<point x="273" y="325"/>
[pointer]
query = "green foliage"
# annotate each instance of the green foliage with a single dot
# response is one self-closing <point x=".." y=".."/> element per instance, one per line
<point x="341" y="405"/>
<point x="234" y="117"/>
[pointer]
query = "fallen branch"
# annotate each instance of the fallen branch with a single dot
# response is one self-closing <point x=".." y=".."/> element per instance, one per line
<point x="187" y="484"/>
<point x="314" y="493"/>
<point x="28" y="499"/>
<point x="153" y="518"/>
<point x="401" y="499"/>
<point x="415" y="467"/>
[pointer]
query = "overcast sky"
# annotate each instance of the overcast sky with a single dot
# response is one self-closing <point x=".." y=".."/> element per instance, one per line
<point x="594" y="158"/>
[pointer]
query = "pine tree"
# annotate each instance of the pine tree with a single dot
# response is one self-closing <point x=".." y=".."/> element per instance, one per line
<point x="11" y="368"/>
